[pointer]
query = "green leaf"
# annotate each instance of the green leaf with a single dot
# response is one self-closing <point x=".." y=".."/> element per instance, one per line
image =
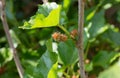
<point x="89" y="14"/>
<point x="68" y="52"/>
<point x="112" y="36"/>
<point x="112" y="72"/>
<point x="5" y="55"/>
<point x="66" y="4"/>
<point x="46" y="8"/>
<point x="53" y="72"/>
<point x="9" y="74"/>
<point x="97" y="22"/>
<point x="89" y="67"/>
<point x="48" y="15"/>
<point x="118" y="16"/>
<point x="63" y="18"/>
<point x="103" y="58"/>
<point x="45" y="63"/>
<point x="15" y="39"/>
<point x="85" y="39"/>
<point x="10" y="13"/>
<point x="49" y="45"/>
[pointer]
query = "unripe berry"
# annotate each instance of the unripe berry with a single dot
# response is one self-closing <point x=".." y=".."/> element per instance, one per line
<point x="87" y="61"/>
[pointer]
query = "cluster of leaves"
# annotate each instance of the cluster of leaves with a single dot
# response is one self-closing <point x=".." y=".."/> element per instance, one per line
<point x="49" y="50"/>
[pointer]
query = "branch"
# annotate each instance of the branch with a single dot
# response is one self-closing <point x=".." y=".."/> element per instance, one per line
<point x="80" y="37"/>
<point x="6" y="29"/>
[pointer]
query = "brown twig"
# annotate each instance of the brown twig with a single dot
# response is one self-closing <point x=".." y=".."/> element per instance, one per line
<point x="6" y="29"/>
<point x="80" y="37"/>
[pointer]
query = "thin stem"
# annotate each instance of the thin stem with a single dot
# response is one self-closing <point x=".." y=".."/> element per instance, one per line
<point x="87" y="49"/>
<point x="66" y="75"/>
<point x="80" y="37"/>
<point x="6" y="29"/>
<point x="64" y="29"/>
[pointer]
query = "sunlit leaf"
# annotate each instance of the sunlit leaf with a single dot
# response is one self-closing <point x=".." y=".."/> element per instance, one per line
<point x="48" y="15"/>
<point x="112" y="72"/>
<point x="66" y="4"/>
<point x="53" y="71"/>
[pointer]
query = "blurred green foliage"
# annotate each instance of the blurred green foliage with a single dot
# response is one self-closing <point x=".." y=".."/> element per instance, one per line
<point x="43" y="57"/>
